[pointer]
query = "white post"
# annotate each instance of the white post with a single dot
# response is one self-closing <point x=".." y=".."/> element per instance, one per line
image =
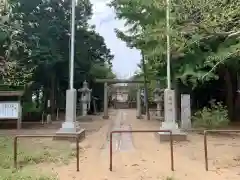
<point x="69" y="126"/>
<point x="72" y="45"/>
<point x="168" y="45"/>
<point x="169" y="94"/>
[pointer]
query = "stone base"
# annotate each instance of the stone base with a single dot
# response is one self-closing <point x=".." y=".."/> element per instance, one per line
<point x="105" y="117"/>
<point x="71" y="135"/>
<point x="139" y="117"/>
<point x="179" y="136"/>
<point x="84" y="118"/>
<point x="158" y="118"/>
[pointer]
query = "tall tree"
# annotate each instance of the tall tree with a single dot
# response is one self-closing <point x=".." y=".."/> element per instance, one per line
<point x="35" y="43"/>
<point x="204" y="39"/>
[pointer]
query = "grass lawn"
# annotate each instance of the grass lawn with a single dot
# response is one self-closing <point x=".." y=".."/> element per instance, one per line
<point x="32" y="153"/>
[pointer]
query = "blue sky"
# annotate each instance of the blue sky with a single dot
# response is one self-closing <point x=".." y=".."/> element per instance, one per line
<point x="125" y="59"/>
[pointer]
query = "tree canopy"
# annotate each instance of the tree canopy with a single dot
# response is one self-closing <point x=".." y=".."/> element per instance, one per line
<point x="204" y="42"/>
<point x="35" y="38"/>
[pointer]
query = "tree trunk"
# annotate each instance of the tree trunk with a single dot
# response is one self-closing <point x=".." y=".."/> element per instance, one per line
<point x="52" y="96"/>
<point x="237" y="100"/>
<point x="229" y="94"/>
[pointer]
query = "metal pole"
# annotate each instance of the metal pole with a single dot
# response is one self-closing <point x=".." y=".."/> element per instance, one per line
<point x="71" y="71"/>
<point x="205" y="150"/>
<point x="111" y="151"/>
<point x="168" y="45"/>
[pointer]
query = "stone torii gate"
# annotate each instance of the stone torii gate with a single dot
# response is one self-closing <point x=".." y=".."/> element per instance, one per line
<point x="114" y="81"/>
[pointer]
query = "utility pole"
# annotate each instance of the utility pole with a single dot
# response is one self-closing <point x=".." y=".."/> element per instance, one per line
<point x="145" y="87"/>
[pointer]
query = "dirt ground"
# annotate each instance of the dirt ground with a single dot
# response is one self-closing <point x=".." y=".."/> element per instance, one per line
<point x="142" y="157"/>
<point x="146" y="158"/>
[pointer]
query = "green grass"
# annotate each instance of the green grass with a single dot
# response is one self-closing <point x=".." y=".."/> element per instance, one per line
<point x="32" y="152"/>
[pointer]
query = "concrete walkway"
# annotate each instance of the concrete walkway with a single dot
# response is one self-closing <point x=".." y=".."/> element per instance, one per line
<point x="121" y="141"/>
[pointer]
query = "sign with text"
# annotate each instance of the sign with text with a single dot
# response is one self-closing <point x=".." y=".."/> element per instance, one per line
<point x="169" y="106"/>
<point x="9" y="110"/>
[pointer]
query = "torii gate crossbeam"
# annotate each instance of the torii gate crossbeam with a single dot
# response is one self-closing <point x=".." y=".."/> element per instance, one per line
<point x="114" y="81"/>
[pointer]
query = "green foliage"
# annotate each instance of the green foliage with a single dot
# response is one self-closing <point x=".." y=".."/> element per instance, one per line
<point x="34" y="46"/>
<point x="31" y="107"/>
<point x="215" y="116"/>
<point x="34" y="39"/>
<point x="204" y="35"/>
<point x="24" y="175"/>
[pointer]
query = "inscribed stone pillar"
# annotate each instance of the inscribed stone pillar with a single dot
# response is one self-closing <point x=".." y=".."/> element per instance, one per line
<point x="139" y="111"/>
<point x="170" y="118"/>
<point x="105" y="113"/>
<point x="185" y="111"/>
<point x="170" y="107"/>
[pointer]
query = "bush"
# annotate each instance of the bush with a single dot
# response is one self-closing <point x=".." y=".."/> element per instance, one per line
<point x="215" y="116"/>
<point x="30" y="107"/>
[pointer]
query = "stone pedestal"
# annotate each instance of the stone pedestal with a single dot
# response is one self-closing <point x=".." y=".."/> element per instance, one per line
<point x="170" y="119"/>
<point x="176" y="132"/>
<point x="69" y="127"/>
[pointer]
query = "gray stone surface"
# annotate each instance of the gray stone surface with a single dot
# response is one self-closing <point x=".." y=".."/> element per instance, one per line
<point x="177" y="136"/>
<point x="70" y="117"/>
<point x="185" y="111"/>
<point x="120" y="142"/>
<point x="170" y="118"/>
<point x="71" y="136"/>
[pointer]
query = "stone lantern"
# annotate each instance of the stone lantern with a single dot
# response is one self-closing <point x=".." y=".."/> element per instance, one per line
<point x="85" y="98"/>
<point x="158" y="98"/>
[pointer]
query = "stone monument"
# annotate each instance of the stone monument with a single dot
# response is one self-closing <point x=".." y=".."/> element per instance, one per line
<point x="85" y="99"/>
<point x="170" y="119"/>
<point x="70" y="126"/>
<point x="185" y="111"/>
<point x="158" y="99"/>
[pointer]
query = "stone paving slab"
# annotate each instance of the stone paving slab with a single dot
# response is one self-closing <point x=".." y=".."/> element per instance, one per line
<point x="123" y="141"/>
